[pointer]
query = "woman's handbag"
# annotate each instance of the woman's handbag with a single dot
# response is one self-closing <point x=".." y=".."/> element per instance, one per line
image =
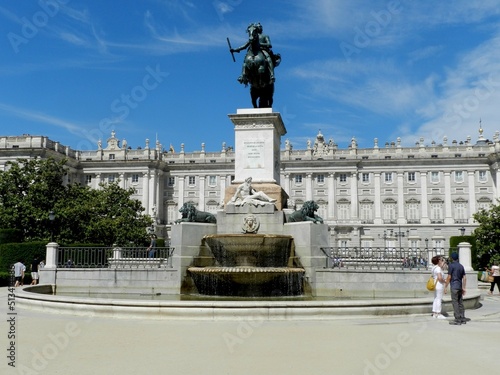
<point x="484" y="276"/>
<point x="491" y="279"/>
<point x="431" y="284"/>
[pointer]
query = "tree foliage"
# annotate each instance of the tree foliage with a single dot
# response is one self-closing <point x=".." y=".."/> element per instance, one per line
<point x="488" y="234"/>
<point x="30" y="189"/>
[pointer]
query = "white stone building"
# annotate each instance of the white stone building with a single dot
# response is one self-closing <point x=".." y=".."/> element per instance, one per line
<point x="387" y="195"/>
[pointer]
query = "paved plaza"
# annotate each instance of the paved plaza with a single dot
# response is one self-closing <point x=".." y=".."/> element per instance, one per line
<point x="63" y="344"/>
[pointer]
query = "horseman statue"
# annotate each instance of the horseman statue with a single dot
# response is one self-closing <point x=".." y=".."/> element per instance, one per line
<point x="258" y="66"/>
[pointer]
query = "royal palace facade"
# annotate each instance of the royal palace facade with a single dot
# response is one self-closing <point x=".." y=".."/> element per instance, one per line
<point x="387" y="195"/>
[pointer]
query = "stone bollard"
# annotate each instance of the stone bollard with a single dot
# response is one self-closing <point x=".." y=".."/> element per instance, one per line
<point x="464" y="254"/>
<point x="51" y="255"/>
<point x="48" y="273"/>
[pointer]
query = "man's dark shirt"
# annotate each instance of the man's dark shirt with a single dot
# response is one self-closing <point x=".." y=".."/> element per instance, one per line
<point x="457" y="272"/>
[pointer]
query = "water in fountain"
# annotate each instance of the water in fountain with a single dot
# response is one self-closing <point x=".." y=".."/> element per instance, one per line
<point x="250" y="265"/>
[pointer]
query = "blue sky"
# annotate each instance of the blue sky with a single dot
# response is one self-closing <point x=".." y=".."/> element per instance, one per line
<point x="160" y="69"/>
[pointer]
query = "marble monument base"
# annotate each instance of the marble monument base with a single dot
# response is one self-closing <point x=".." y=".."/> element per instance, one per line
<point x="271" y="190"/>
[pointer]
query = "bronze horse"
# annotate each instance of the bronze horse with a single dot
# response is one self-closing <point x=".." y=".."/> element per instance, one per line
<point x="257" y="69"/>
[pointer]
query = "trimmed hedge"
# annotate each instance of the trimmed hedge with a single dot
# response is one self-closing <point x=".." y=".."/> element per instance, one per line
<point x="10" y="253"/>
<point x="10" y="235"/>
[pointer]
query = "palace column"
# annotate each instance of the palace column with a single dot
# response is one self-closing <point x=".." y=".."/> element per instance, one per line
<point x="401" y="203"/>
<point x="286" y="183"/>
<point x="378" y="201"/>
<point x="331" y="195"/>
<point x="309" y="194"/>
<point x="182" y="182"/>
<point x="98" y="180"/>
<point x="223" y="183"/>
<point x="122" y="180"/>
<point x="448" y="217"/>
<point x="201" y="193"/>
<point x="354" y="195"/>
<point x="424" y="199"/>
<point x="145" y="190"/>
<point x="472" y="195"/>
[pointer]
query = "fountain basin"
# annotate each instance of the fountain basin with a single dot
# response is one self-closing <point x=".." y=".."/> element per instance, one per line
<point x="248" y="281"/>
<point x="256" y="250"/>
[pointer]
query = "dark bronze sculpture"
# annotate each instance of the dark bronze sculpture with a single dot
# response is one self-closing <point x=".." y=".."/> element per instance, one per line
<point x="258" y="66"/>
<point x="192" y="215"/>
<point x="306" y="213"/>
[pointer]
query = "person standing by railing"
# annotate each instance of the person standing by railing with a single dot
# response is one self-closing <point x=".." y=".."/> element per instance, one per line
<point x="152" y="246"/>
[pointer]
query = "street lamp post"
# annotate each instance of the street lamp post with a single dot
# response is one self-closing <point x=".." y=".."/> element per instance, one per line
<point x="399" y="234"/>
<point x="52" y="217"/>
<point x="429" y="253"/>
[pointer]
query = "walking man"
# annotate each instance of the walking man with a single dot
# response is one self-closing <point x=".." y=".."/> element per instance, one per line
<point x="19" y="269"/>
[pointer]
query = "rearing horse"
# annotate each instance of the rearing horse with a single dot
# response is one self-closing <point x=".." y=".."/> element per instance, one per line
<point x="257" y="70"/>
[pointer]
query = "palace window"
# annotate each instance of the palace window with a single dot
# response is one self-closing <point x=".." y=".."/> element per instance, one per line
<point x="88" y="178"/>
<point x="435" y="177"/>
<point x="412" y="212"/>
<point x="343" y="177"/>
<point x="388" y="177"/>
<point x="320" y="179"/>
<point x="212" y="180"/>
<point x="135" y="178"/>
<point x="411" y="176"/>
<point x="365" y="177"/>
<point x="390" y="212"/>
<point x="459" y="176"/>
<point x="482" y="176"/>
<point x="344" y="208"/>
<point x="366" y="212"/>
<point x="460" y="211"/>
<point x="191" y="180"/>
<point x="436" y="211"/>
<point x="171" y="181"/>
<point x="298" y="179"/>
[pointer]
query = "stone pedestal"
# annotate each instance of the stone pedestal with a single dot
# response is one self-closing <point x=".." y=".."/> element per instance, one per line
<point x="257" y="144"/>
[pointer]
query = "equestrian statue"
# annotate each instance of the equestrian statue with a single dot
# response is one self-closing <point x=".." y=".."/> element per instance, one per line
<point x="258" y="66"/>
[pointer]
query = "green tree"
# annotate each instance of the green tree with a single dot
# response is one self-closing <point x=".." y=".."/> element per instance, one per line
<point x="108" y="215"/>
<point x="488" y="234"/>
<point x="30" y="189"/>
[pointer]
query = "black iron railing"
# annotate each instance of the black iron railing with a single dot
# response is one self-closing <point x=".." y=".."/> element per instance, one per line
<point x="381" y="257"/>
<point x="104" y="257"/>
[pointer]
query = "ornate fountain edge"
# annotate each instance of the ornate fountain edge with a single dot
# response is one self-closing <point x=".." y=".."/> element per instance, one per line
<point x="33" y="298"/>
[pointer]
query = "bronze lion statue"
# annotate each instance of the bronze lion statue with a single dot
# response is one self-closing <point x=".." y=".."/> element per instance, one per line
<point x="191" y="214"/>
<point x="306" y="213"/>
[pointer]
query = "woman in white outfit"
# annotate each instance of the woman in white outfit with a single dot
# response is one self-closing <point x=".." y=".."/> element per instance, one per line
<point x="438" y="275"/>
